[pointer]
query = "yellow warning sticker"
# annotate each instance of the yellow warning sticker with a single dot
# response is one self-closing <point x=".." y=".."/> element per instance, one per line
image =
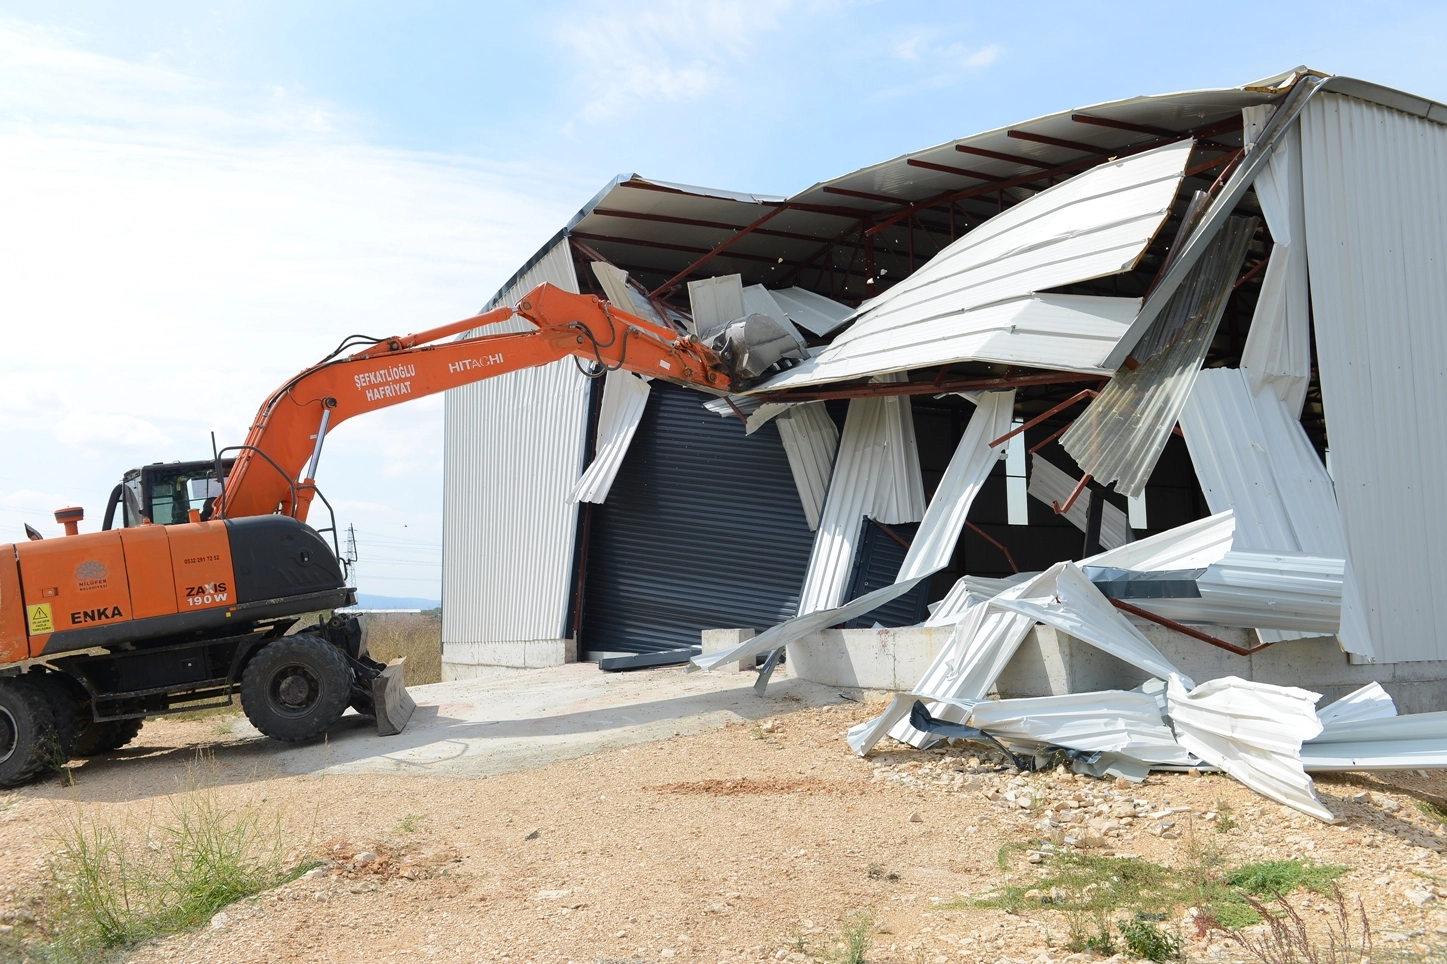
<point x="40" y="622"/>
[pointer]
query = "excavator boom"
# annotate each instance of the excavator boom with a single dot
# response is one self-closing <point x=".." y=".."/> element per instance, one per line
<point x="274" y="470"/>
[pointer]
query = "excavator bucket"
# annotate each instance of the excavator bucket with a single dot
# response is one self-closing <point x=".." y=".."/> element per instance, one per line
<point x="394" y="705"/>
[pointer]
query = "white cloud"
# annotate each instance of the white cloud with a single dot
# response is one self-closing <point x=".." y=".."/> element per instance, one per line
<point x="983" y="57"/>
<point x="174" y="249"/>
<point x="671" y="52"/>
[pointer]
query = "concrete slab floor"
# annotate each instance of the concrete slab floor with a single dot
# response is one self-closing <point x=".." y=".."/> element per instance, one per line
<point x="514" y="719"/>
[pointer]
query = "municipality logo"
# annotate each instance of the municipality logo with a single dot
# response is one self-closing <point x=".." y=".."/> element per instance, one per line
<point x="90" y="571"/>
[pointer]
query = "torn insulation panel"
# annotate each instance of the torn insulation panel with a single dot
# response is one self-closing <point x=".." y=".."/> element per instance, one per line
<point x="1122" y="432"/>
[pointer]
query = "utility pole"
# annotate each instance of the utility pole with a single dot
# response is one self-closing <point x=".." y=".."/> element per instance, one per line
<point x="351" y="555"/>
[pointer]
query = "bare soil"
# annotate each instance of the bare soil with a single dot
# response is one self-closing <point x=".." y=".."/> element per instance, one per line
<point x="747" y="843"/>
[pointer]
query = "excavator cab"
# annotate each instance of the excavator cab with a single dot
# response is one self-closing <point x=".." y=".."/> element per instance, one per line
<point x="164" y="493"/>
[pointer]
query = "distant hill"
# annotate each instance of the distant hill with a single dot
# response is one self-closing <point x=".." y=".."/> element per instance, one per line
<point x="367" y="600"/>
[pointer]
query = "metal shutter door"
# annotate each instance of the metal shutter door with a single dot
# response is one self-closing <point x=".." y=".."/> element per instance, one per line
<point x="702" y="529"/>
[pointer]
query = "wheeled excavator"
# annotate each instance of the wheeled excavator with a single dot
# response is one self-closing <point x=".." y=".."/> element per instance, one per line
<point x="186" y="606"/>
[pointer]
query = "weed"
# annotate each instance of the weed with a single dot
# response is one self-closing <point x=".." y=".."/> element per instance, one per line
<point x="209" y="713"/>
<point x="856" y="935"/>
<point x="119" y="884"/>
<point x="1225" y="821"/>
<point x="1093" y="891"/>
<point x="1274" y="877"/>
<point x="1145" y="939"/>
<point x="1287" y="941"/>
<point x="411" y="823"/>
<point x="1432" y="811"/>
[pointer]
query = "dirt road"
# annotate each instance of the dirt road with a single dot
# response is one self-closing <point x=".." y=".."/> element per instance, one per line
<point x="746" y="841"/>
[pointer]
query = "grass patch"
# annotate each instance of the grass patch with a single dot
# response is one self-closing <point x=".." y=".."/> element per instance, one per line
<point x="856" y="936"/>
<point x="1095" y="893"/>
<point x="411" y="823"/>
<point x="1432" y="811"/>
<point x="417" y="636"/>
<point x="117" y="884"/>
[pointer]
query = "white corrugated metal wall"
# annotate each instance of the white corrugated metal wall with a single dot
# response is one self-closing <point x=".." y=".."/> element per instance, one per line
<point x="1376" y="224"/>
<point x="513" y="450"/>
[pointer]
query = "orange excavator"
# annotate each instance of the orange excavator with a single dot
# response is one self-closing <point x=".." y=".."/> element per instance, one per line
<point x="185" y="607"/>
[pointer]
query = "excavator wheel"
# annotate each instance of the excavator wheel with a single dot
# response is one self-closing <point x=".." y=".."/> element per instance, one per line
<point x="95" y="738"/>
<point x="29" y="740"/>
<point x="296" y="687"/>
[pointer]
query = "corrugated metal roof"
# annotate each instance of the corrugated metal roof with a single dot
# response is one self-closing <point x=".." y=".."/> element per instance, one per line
<point x="1396" y="743"/>
<point x="624" y="397"/>
<point x="1095" y="224"/>
<point x="1370" y="702"/>
<point x="1376" y="205"/>
<point x="810" y="439"/>
<point x="1104" y="721"/>
<point x="1280" y="590"/>
<point x="507" y="536"/>
<point x="1253" y="457"/>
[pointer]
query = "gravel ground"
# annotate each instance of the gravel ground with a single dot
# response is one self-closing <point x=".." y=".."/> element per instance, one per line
<point x="751" y="842"/>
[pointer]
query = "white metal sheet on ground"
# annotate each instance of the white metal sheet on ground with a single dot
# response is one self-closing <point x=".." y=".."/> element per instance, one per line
<point x="1376" y="224"/>
<point x="1108" y="721"/>
<point x="1252" y="731"/>
<point x="1386" y="743"/>
<point x="1253" y="457"/>
<point x="1122" y="432"/>
<point x="1051" y="485"/>
<point x="507" y="538"/>
<point x="876" y="474"/>
<point x="810" y="439"/>
<point x="1277" y="353"/>
<point x="1371" y="702"/>
<point x="1096" y="224"/>
<point x="625" y="395"/>
<point x="989" y="634"/>
<point x="932" y="546"/>
<point x="812" y="312"/>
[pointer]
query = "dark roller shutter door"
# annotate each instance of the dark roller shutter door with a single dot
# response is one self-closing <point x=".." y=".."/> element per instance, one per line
<point x="702" y="529"/>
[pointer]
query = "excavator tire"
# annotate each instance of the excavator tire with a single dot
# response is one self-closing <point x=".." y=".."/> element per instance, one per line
<point x="69" y="706"/>
<point x="96" y="739"/>
<point x="296" y="687"/>
<point x="29" y="741"/>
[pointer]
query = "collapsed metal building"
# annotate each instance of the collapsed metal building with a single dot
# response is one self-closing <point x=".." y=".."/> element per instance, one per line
<point x="1143" y="315"/>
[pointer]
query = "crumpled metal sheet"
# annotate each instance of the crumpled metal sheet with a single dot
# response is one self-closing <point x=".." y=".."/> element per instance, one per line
<point x="1252" y="731"/>
<point x="1121" y="434"/>
<point x="1389" y="743"/>
<point x="1371" y="702"/>
<point x="981" y="297"/>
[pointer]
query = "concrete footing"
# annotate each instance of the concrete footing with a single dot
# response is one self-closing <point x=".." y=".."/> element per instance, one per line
<point x="468" y="660"/>
<point x="1051" y="662"/>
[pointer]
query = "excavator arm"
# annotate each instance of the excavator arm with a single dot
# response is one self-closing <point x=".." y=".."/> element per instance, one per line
<point x="274" y="470"/>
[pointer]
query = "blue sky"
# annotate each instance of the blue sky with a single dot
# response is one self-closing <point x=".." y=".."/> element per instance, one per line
<point x="199" y="199"/>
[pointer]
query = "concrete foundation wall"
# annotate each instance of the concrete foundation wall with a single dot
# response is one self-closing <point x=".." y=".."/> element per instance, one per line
<point x="1050" y="663"/>
<point x="460" y="660"/>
